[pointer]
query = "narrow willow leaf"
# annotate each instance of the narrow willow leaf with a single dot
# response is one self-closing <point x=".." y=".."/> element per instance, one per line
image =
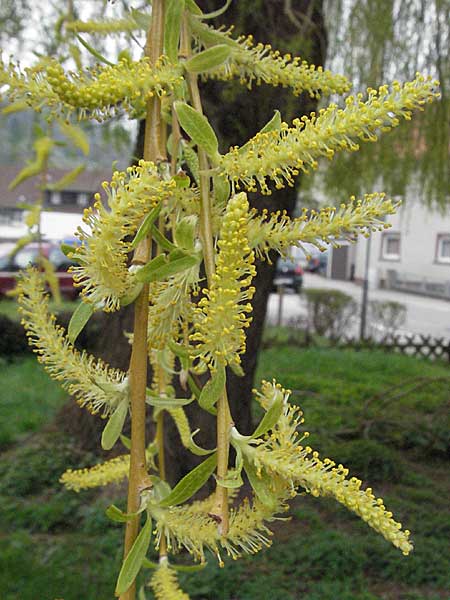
<point x="142" y="19"/>
<point x="66" y="180"/>
<point x="125" y="441"/>
<point x="260" y="485"/>
<point x="198" y="128"/>
<point x="182" y="180"/>
<point x="114" y="426"/>
<point x="212" y="390"/>
<point x="166" y="403"/>
<point x="172" y="28"/>
<point x="146" y="225"/>
<point x="161" y="240"/>
<point x="232" y="480"/>
<point x="191" y="483"/>
<point x="184" y="234"/>
<point x="134" y="559"/>
<point x="149" y="564"/>
<point x="218" y="12"/>
<point x="68" y="250"/>
<point x="161" y="489"/>
<point x="76" y="135"/>
<point x="188" y="568"/>
<point x="208" y="59"/>
<point x="271" y="417"/>
<point x="272" y="125"/>
<point x="222" y="189"/>
<point x="80" y="317"/>
<point x="115" y="514"/>
<point x="141" y="593"/>
<point x="93" y="51"/>
<point x="193" y="8"/>
<point x="175" y="262"/>
<point x="194" y="387"/>
<point x="14" y="107"/>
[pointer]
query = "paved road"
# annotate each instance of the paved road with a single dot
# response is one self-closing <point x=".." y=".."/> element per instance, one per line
<point x="424" y="315"/>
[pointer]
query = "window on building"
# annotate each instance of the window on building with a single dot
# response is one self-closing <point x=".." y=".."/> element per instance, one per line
<point x="443" y="249"/>
<point x="390" y="246"/>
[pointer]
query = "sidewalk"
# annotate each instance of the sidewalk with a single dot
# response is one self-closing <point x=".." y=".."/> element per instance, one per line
<point x="427" y="316"/>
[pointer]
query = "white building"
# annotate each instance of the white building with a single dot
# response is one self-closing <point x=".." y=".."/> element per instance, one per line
<point x="413" y="255"/>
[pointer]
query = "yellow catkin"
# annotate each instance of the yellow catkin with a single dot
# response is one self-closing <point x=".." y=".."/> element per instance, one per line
<point x="222" y="313"/>
<point x="280" y="155"/>
<point x="192" y="528"/>
<point x="329" y="225"/>
<point x="111" y="471"/>
<point x="258" y="63"/>
<point x="77" y="372"/>
<point x="164" y="584"/>
<point x="98" y="93"/>
<point x="103" y="271"/>
<point x="281" y="454"/>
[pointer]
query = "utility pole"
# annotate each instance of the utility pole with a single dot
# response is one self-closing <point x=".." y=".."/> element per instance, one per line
<point x="365" y="292"/>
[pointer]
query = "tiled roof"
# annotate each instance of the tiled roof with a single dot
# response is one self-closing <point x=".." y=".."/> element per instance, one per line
<point x="88" y="182"/>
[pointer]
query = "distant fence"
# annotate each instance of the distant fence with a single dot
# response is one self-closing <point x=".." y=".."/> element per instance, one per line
<point x="418" y="345"/>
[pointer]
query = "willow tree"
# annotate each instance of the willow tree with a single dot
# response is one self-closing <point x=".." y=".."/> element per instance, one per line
<point x="370" y="41"/>
<point x="183" y="212"/>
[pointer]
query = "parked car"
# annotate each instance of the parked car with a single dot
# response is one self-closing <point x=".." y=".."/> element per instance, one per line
<point x="318" y="263"/>
<point x="11" y="264"/>
<point x="289" y="274"/>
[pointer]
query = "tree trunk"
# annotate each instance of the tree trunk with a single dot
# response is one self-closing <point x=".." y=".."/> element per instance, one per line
<point x="236" y="114"/>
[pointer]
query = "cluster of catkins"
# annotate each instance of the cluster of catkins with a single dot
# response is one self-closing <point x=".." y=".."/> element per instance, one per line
<point x="158" y="199"/>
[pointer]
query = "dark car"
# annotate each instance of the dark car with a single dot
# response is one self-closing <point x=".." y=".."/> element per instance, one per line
<point x="11" y="264"/>
<point x="288" y="274"/>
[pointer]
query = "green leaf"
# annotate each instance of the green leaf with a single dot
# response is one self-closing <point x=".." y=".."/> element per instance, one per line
<point x="14" y="107"/>
<point x="80" y="317"/>
<point x="212" y="390"/>
<point x="172" y="27"/>
<point x="222" y="189"/>
<point x="260" y="485"/>
<point x="68" y="179"/>
<point x="125" y="441"/>
<point x="142" y="19"/>
<point x="93" y="51"/>
<point x="176" y="262"/>
<point x="68" y="250"/>
<point x="184" y="234"/>
<point x="146" y="225"/>
<point x="161" y="489"/>
<point x="188" y="568"/>
<point x="208" y="59"/>
<point x="134" y="559"/>
<point x="232" y="479"/>
<point x="193" y="7"/>
<point x="149" y="564"/>
<point x="198" y="129"/>
<point x="76" y="135"/>
<point x="191" y="483"/>
<point x="167" y="403"/>
<point x="161" y="240"/>
<point x="272" y="125"/>
<point x="115" y="514"/>
<point x="271" y="417"/>
<point x="114" y="426"/>
<point x="218" y="12"/>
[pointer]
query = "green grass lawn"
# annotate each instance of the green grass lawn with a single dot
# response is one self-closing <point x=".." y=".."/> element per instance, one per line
<point x="8" y="307"/>
<point x="57" y="544"/>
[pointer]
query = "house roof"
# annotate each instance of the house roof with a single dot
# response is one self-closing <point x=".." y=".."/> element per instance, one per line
<point x="88" y="182"/>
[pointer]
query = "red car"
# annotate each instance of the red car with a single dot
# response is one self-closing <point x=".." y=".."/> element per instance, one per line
<point x="10" y="265"/>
